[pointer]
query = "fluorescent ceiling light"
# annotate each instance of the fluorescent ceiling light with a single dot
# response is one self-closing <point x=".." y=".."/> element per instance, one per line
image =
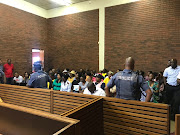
<point x="63" y="2"/>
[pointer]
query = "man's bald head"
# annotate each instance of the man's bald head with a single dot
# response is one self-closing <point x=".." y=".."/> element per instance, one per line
<point x="129" y="63"/>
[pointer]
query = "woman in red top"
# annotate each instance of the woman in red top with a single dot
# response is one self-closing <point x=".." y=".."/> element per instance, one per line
<point x="8" y="70"/>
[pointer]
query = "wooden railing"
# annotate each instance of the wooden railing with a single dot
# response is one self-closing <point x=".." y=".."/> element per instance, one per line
<point x="134" y="117"/>
<point x="97" y="115"/>
<point x="177" y="125"/>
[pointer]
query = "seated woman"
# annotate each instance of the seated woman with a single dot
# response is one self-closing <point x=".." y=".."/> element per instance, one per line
<point x="93" y="90"/>
<point x="57" y="83"/>
<point x="65" y="84"/>
<point x="83" y="84"/>
<point x="17" y="79"/>
<point x="25" y="79"/>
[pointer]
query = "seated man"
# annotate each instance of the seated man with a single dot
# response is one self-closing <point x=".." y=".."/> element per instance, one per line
<point x="93" y="90"/>
<point x="17" y="78"/>
<point x="39" y="79"/>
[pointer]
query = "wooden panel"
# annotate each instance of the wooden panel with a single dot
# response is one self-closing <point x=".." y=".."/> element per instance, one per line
<point x="32" y="98"/>
<point x="20" y="120"/>
<point x="65" y="101"/>
<point x="177" y="132"/>
<point x="90" y="116"/>
<point x="134" y="117"/>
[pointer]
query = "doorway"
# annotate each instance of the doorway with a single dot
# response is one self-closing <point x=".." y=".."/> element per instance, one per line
<point x="37" y="56"/>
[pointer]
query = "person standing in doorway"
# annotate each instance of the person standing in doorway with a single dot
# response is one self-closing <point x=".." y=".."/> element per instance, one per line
<point x="8" y="70"/>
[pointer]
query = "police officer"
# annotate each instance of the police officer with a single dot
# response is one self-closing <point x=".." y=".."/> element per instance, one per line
<point x="39" y="79"/>
<point x="128" y="83"/>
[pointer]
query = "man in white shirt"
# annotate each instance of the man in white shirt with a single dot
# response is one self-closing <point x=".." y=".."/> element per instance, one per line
<point x="171" y="86"/>
<point x="17" y="79"/>
<point x="178" y="78"/>
<point x="93" y="90"/>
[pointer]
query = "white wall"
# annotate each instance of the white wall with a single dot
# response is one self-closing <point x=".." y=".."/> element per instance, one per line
<point x="75" y="8"/>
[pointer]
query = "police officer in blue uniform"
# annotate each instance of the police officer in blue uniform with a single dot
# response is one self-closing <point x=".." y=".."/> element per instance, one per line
<point x="39" y="79"/>
<point x="128" y="83"/>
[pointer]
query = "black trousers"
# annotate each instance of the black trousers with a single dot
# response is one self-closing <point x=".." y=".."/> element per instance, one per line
<point x="9" y="80"/>
<point x="1" y="80"/>
<point x="172" y="95"/>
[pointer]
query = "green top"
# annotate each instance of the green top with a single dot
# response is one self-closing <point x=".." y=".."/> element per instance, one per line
<point x="155" y="90"/>
<point x="56" y="86"/>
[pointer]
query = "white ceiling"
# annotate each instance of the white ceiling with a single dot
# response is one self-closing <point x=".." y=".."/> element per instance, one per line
<point x="48" y="4"/>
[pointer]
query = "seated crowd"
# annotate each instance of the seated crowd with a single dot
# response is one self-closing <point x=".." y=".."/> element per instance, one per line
<point x="103" y="83"/>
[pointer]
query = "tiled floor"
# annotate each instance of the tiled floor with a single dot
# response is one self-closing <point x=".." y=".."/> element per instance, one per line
<point x="172" y="127"/>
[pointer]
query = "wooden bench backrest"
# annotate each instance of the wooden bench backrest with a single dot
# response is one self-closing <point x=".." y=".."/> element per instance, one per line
<point x="135" y="117"/>
<point x="177" y="132"/>
<point x="27" y="97"/>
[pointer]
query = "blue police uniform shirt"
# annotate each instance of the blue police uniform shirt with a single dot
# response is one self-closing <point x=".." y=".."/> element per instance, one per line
<point x="39" y="80"/>
<point x="125" y="84"/>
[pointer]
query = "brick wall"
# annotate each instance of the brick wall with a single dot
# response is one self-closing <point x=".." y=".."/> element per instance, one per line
<point x="73" y="41"/>
<point x="19" y="33"/>
<point x="147" y="30"/>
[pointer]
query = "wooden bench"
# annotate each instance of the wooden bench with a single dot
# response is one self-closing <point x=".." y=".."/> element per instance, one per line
<point x="38" y="99"/>
<point x="86" y="108"/>
<point x="97" y="115"/>
<point x="20" y="120"/>
<point x="135" y="117"/>
<point x="177" y="125"/>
